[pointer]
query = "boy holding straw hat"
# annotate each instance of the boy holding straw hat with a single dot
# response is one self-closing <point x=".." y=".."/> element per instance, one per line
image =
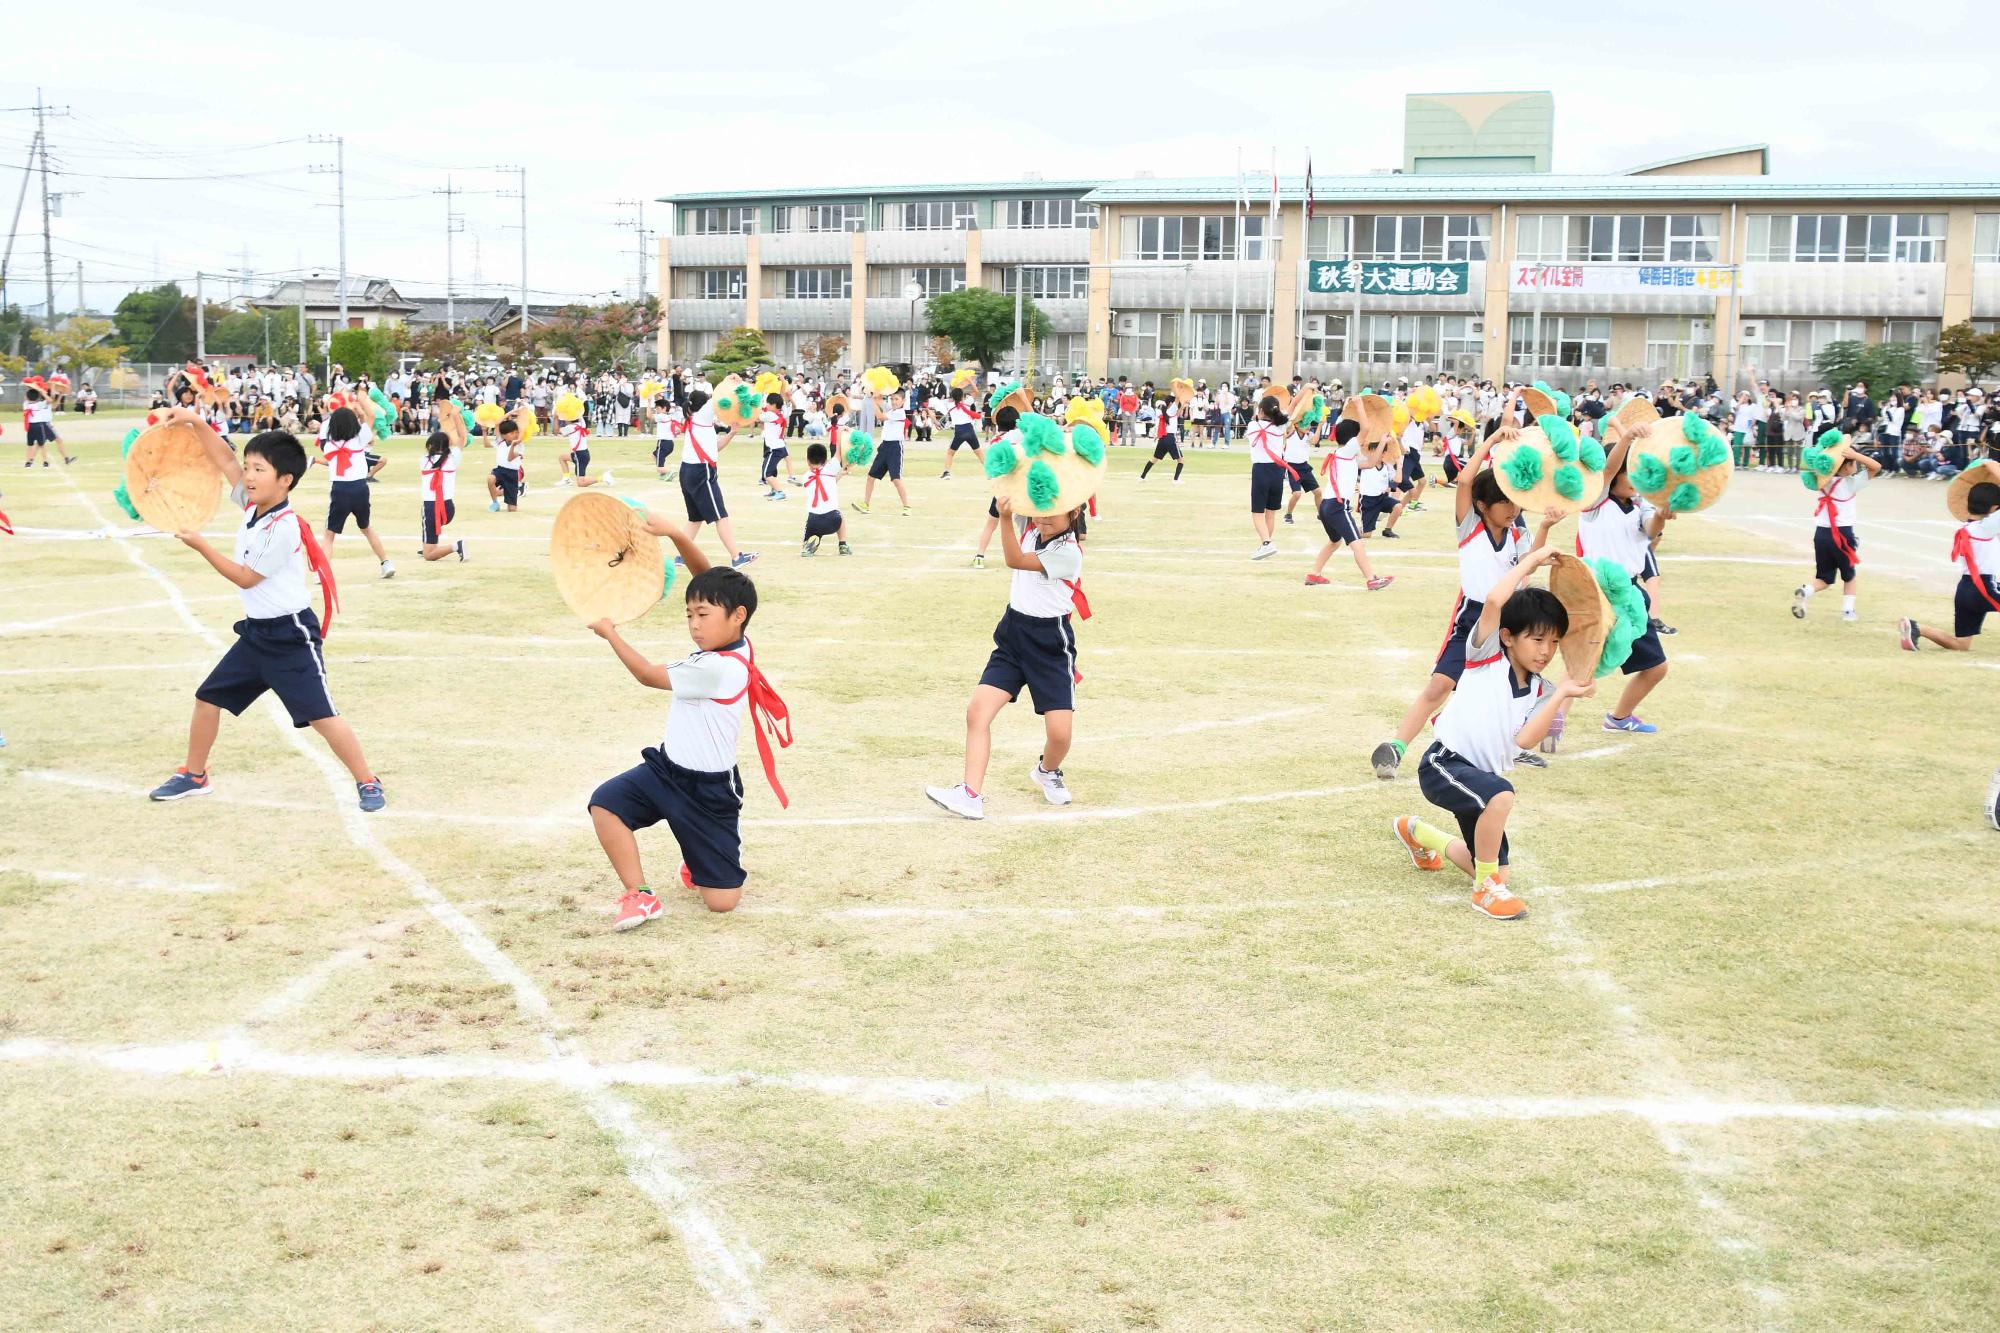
<point x="1975" y="548"/>
<point x="1835" y="472"/>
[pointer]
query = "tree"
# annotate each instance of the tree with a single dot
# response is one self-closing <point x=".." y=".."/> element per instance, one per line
<point x="735" y="352"/>
<point x="1964" y="349"/>
<point x="439" y="346"/>
<point x="980" y="323"/>
<point x="241" y="332"/>
<point x="364" y="351"/>
<point x="1881" y="366"/>
<point x="823" y="353"/>
<point x="939" y="350"/>
<point x="603" y="337"/>
<point x="157" y="324"/>
<point x="81" y="343"/>
<point x="19" y="341"/>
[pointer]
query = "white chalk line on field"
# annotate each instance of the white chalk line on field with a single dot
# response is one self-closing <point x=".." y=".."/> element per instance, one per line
<point x="29" y="626"/>
<point x="652" y="1160"/>
<point x="146" y="883"/>
<point x="1194" y="1094"/>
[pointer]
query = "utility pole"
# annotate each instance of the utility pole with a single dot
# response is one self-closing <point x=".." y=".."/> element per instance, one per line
<point x="42" y="113"/>
<point x="339" y="169"/>
<point x="453" y="223"/>
<point x="521" y="193"/>
<point x="639" y="234"/>
<point x="27" y="173"/>
<point x="82" y="306"/>
<point x="302" y="317"/>
<point x="200" y="321"/>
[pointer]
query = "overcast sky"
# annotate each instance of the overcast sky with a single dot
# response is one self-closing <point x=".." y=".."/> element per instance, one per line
<point x="184" y="147"/>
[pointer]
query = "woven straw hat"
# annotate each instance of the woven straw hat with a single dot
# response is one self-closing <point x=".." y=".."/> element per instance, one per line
<point x="1375" y="413"/>
<point x="1535" y="473"/>
<point x="1820" y="461"/>
<point x="1575" y="585"/>
<point x="606" y="563"/>
<point x="170" y="478"/>
<point x="1279" y="392"/>
<point x="1632" y="414"/>
<point x="1539" y="403"/>
<point x="1182" y="390"/>
<point x="836" y="405"/>
<point x="1959" y="495"/>
<point x="1073" y="463"/>
<point x="1018" y="400"/>
<point x="731" y="411"/>
<point x="1681" y="464"/>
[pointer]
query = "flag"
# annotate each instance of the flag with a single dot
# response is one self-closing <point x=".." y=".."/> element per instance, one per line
<point x="1309" y="189"/>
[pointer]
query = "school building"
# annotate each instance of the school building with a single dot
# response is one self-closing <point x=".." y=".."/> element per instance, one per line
<point x="1472" y="258"/>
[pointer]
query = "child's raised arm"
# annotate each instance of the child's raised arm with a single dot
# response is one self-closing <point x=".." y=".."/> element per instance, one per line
<point x="650" y="674"/>
<point x="691" y="555"/>
<point x="1537" y="726"/>
<point x="1503" y="588"/>
<point x="1010" y="542"/>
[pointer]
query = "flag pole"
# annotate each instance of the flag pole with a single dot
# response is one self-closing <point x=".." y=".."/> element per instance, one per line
<point x="1271" y="287"/>
<point x="1299" y="293"/>
<point x="1235" y="276"/>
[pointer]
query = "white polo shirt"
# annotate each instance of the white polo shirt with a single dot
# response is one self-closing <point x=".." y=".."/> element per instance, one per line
<point x="506" y="454"/>
<point x="1842" y="493"/>
<point x="773" y="420"/>
<point x="961" y="414"/>
<point x="1042" y="592"/>
<point x="273" y="544"/>
<point x="448" y="469"/>
<point x="822" y="490"/>
<point x="894" y="419"/>
<point x="1488" y="709"/>
<point x="1607" y="531"/>
<point x="346" y="460"/>
<point x="701" y="437"/>
<point x="1344" y="475"/>
<point x="1375" y="480"/>
<point x="1982" y="548"/>
<point x="1267" y="442"/>
<point x="701" y="732"/>
<point x="1480" y="562"/>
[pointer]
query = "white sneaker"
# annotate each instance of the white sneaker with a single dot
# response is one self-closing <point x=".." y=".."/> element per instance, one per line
<point x="1799" y="595"/>
<point x="388" y="570"/>
<point x="1264" y="552"/>
<point x="1053" y="789"/>
<point x="958" y="800"/>
<point x="1993" y="800"/>
<point x="1850" y="616"/>
<point x="459" y="546"/>
<point x="610" y="480"/>
<point x="564" y="482"/>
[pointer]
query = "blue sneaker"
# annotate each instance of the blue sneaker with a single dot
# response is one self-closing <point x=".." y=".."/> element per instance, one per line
<point x="493" y="507"/>
<point x="182" y="783"/>
<point x="1632" y="724"/>
<point x="743" y="558"/>
<point x="371" y="796"/>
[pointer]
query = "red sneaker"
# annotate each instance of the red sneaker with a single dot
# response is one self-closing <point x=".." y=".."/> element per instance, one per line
<point x="1317" y="580"/>
<point x="1380" y="581"/>
<point x="635" y="909"/>
<point x="687" y="876"/>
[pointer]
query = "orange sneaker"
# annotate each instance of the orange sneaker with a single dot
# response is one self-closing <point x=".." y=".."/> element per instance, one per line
<point x="687" y="876"/>
<point x="1425" y="858"/>
<point x="1494" y="899"/>
<point x="636" y="909"/>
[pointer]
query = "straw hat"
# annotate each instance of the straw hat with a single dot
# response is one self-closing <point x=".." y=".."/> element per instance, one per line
<point x="1959" y="495"/>
<point x="1013" y="394"/>
<point x="1681" y="465"/>
<point x="1540" y="403"/>
<point x="1048" y="472"/>
<point x="1575" y="585"/>
<point x="735" y="403"/>
<point x="605" y="562"/>
<point x="1820" y="462"/>
<point x="1633" y="413"/>
<point x="1547" y="466"/>
<point x="170" y="478"/>
<point x="1464" y="417"/>
<point x="1279" y="392"/>
<point x="1182" y="390"/>
<point x="1310" y="408"/>
<point x="836" y="405"/>
<point x="1375" y="413"/>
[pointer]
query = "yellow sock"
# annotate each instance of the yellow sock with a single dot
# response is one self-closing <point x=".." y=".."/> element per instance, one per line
<point x="1429" y="836"/>
<point x="1485" y="870"/>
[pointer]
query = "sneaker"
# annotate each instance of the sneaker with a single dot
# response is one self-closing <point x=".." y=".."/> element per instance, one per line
<point x="1178" y="480"/>
<point x="371" y="796"/>
<point x="635" y="909"/>
<point x="459" y="546"/>
<point x="182" y="783"/>
<point x="1529" y="759"/>
<point x="1632" y="724"/>
<point x="493" y="508"/>
<point x="1799" y="595"/>
<point x="1993" y="800"/>
<point x="1416" y="507"/>
<point x="1555" y="735"/>
<point x="958" y="800"/>
<point x="1264" y="552"/>
<point x="1380" y="581"/>
<point x="1387" y="759"/>
<point x="564" y="481"/>
<point x="774" y="495"/>
<point x="687" y="876"/>
<point x="743" y="558"/>
<point x="944" y="476"/>
<point x="1492" y="898"/>
<point x="1317" y="580"/>
<point x="979" y="562"/>
<point x="388" y="570"/>
<point x="1425" y="858"/>
<point x="1288" y="518"/>
<point x="1051" y="783"/>
<point x="1851" y="617"/>
<point x="610" y="480"/>
<point x="906" y="511"/>
<point x="1906" y="634"/>
<point x="858" y="507"/>
<point x="811" y="547"/>
<point x="845" y="549"/>
<point x="1391" y="534"/>
<point x="1659" y="626"/>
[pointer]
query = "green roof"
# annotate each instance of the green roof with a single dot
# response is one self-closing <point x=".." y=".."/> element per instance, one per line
<point x="883" y="192"/>
<point x="1393" y="187"/>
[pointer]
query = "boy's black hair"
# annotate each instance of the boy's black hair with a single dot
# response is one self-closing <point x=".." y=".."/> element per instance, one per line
<point x="282" y="450"/>
<point x="774" y="400"/>
<point x="1007" y="418"/>
<point x="1345" y="429"/>
<point x="816" y="455"/>
<point x="725" y="588"/>
<point x="659" y="400"/>
<point x="1531" y="610"/>
<point x="1984" y="498"/>
<point x="343" y="424"/>
<point x="31" y="394"/>
<point x="696" y="400"/>
<point x="1267" y="408"/>
<point x="1486" y="490"/>
<point x="508" y="426"/>
<point x="958" y="395"/>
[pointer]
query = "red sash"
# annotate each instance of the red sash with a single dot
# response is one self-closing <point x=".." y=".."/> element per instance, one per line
<point x="338" y="458"/>
<point x="5" y="525"/>
<point x="436" y="475"/>
<point x="694" y="447"/>
<point x="320" y="565"/>
<point x="1076" y="597"/>
<point x="1961" y="545"/>
<point x="1828" y="507"/>
<point x="767" y="710"/>
<point x="1263" y="441"/>
<point x="818" y="484"/>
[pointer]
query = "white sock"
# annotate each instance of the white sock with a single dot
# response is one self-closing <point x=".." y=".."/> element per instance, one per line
<point x="1809" y="591"/>
<point x="1847" y="602"/>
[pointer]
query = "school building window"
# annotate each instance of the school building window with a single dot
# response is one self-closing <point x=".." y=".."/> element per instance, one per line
<point x="1566" y="340"/>
<point x="809" y="284"/>
<point x="930" y="215"/>
<point x="1986" y="238"/>
<point x="1053" y="282"/>
<point x="1791" y="344"/>
<point x="1849" y="238"/>
<point x="816" y="217"/>
<point x="1677" y="348"/>
<point x="909" y="347"/>
<point x="1063" y="352"/>
<point x="1631" y="238"/>
<point x="933" y="279"/>
<point x="709" y="284"/>
<point x="1329" y="238"/>
<point x="1186" y="238"/>
<point x="1419" y="236"/>
<point x="1035" y="213"/>
<point x="1325" y="337"/>
<point x="1153" y="335"/>
<point x="709" y="221"/>
<point x="1921" y="333"/>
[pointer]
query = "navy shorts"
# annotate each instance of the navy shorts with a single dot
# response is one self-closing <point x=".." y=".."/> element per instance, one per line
<point x="888" y="461"/>
<point x="1304" y="480"/>
<point x="349" y="499"/>
<point x="702" y="492"/>
<point x="41" y="432"/>
<point x="1267" y="487"/>
<point x="1451" y="657"/>
<point x="509" y="481"/>
<point x="1167" y="446"/>
<point x="281" y="654"/>
<point x="823" y="525"/>
<point x="963" y="436"/>
<point x="431" y="532"/>
<point x="1830" y="564"/>
<point x="1652" y="569"/>
<point x="1969" y="607"/>
<point x="1374" y="507"/>
<point x="701" y="810"/>
<point x="579" y="461"/>
<point x="1452" y="467"/>
<point x="663" y="449"/>
<point x="1413" y="469"/>
<point x="773" y="457"/>
<point x="1647" y="651"/>
<point x="1038" y="652"/>
<point x="1338" y="520"/>
<point x="1455" y="784"/>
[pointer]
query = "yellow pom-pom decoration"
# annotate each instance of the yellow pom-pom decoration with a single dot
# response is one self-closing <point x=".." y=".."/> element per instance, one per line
<point x="1425" y="402"/>
<point x="488" y="415"/>
<point x="963" y="377"/>
<point x="881" y="380"/>
<point x="530" y="427"/>
<point x="648" y="388"/>
<point x="1399" y="416"/>
<point x="568" y="407"/>
<point x="769" y="382"/>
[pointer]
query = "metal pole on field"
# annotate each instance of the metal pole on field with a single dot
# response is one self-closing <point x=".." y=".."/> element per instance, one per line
<point x="521" y="193"/>
<point x="339" y="169"/>
<point x="200" y="321"/>
<point x="1020" y="285"/>
<point x="1187" y="314"/>
<point x="302" y="319"/>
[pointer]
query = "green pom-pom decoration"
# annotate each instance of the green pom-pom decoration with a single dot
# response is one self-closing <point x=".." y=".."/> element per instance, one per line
<point x="1685" y="497"/>
<point x="1648" y="472"/>
<point x="1561" y="435"/>
<point x="131" y="437"/>
<point x="1523" y="468"/>
<point x="1811" y="480"/>
<point x="746" y="400"/>
<point x="1681" y="458"/>
<point x="1714" y="450"/>
<point x="1001" y="459"/>
<point x="1088" y="444"/>
<point x="993" y="399"/>
<point x="1568" y="481"/>
<point x="1830" y="437"/>
<point x="385" y="412"/>
<point x="1818" y="460"/>
<point x="860" y="448"/>
<point x="124" y="500"/>
<point x="1042" y="485"/>
<point x="1628" y="614"/>
<point x="1041" y="435"/>
<point x="1693" y="428"/>
<point x="1543" y="385"/>
<point x="1563" y="404"/>
<point x="1590" y="453"/>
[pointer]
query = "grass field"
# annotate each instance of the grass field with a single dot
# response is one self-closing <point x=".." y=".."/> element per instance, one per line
<point x="1201" y="1052"/>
